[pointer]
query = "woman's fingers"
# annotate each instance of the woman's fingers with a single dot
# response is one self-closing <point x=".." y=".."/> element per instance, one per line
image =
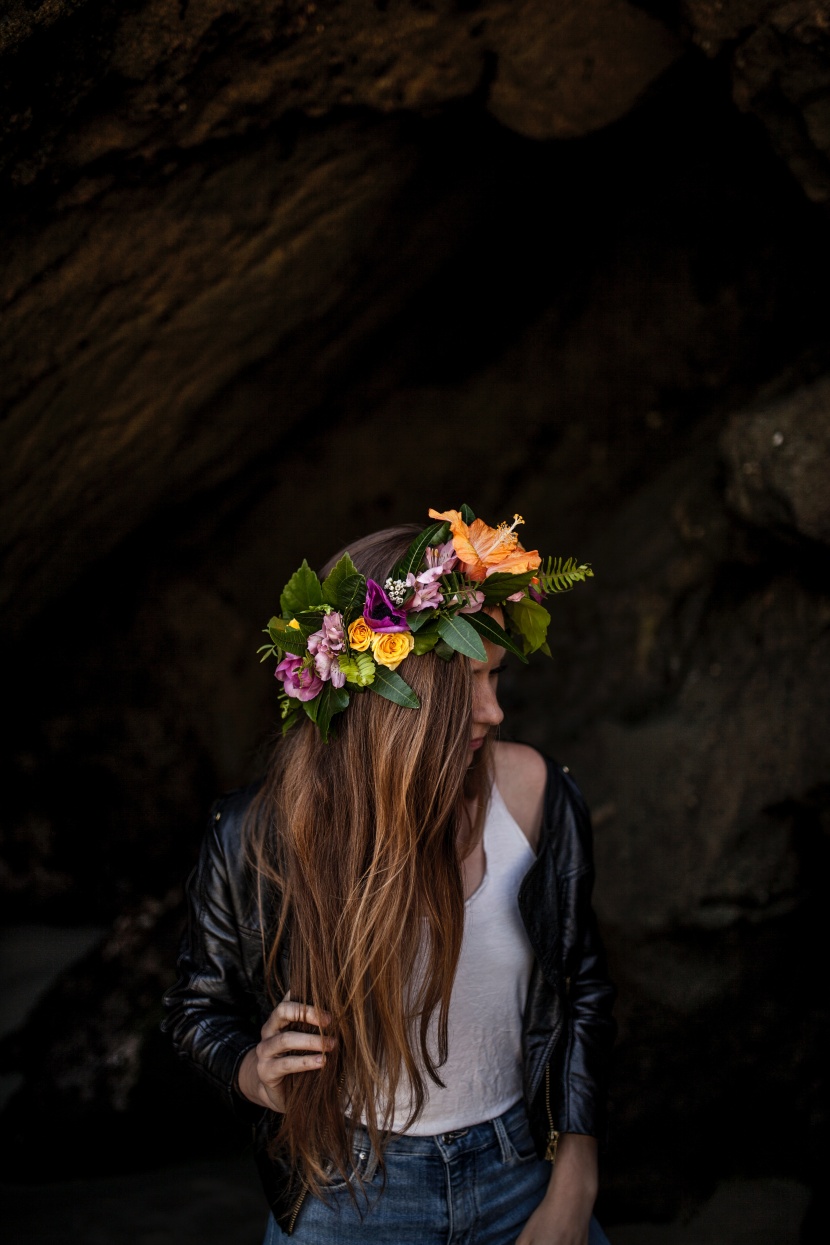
<point x="292" y="1040"/>
<point x="290" y="1012"/>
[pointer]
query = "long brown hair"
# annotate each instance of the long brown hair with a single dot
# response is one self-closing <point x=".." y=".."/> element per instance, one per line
<point x="356" y="844"/>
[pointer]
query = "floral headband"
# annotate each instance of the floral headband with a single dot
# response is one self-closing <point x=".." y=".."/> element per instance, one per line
<point x="347" y="633"/>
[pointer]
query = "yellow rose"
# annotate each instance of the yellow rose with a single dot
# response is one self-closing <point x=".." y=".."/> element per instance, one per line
<point x="391" y="647"/>
<point x="360" y="635"/>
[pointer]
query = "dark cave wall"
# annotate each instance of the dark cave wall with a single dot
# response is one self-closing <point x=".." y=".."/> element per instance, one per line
<point x="269" y="287"/>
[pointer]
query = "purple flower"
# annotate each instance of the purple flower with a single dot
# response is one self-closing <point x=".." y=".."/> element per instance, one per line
<point x="537" y="596"/>
<point x="302" y="684"/>
<point x="331" y="637"/>
<point x="427" y="595"/>
<point x="443" y="557"/>
<point x="379" y="612"/>
<point x="324" y="645"/>
<point x="327" y="667"/>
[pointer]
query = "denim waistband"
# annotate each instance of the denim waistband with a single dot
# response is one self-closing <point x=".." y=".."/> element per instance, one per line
<point x="472" y="1137"/>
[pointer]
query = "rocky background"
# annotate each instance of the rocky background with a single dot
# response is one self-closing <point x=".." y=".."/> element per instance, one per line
<point x="278" y="273"/>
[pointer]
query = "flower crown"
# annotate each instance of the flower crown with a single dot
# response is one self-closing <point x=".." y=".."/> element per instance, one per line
<point x="348" y="633"/>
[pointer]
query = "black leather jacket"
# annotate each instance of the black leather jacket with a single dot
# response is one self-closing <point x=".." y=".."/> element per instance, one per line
<point x="216" y="1008"/>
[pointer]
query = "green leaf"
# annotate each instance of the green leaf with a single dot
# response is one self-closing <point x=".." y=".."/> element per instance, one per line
<point x="458" y="633"/>
<point x="309" y="621"/>
<point x="489" y="629"/>
<point x="289" y="639"/>
<point x="425" y="641"/>
<point x="414" y="556"/>
<point x="442" y="535"/>
<point x="530" y="620"/>
<point x="443" y="650"/>
<point x="332" y="700"/>
<point x="390" y="685"/>
<point x="456" y="584"/>
<point x="418" y="619"/>
<point x="335" y="584"/>
<point x="467" y="515"/>
<point x="352" y="597"/>
<point x="560" y="575"/>
<point x="499" y="586"/>
<point x="290" y="719"/>
<point x="359" y="668"/>
<point x="302" y="592"/>
<point x="310" y="708"/>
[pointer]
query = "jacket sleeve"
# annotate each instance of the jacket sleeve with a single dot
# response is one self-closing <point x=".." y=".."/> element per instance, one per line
<point x="585" y="1052"/>
<point x="211" y="1011"/>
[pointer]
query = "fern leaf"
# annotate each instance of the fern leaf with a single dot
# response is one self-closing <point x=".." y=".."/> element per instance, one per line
<point x="561" y="575"/>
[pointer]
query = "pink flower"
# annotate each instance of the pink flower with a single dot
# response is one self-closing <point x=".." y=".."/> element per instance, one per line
<point x="473" y="600"/>
<point x="443" y="557"/>
<point x="303" y="684"/>
<point x="427" y="595"/>
<point x="327" y="668"/>
<point x="330" y="638"/>
<point x="324" y="645"/>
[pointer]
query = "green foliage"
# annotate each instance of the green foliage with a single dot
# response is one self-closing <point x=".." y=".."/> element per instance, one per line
<point x="309" y="621"/>
<point x="530" y="621"/>
<point x="302" y="592"/>
<point x="456" y="585"/>
<point x="425" y="641"/>
<point x="335" y="587"/>
<point x="419" y="619"/>
<point x="289" y="639"/>
<point x="456" y="631"/>
<point x="443" y="650"/>
<point x="414" y="556"/>
<point x="501" y="585"/>
<point x="291" y="713"/>
<point x="467" y="515"/>
<point x="322" y="708"/>
<point x="489" y="629"/>
<point x="359" y="668"/>
<point x="560" y="575"/>
<point x="390" y="685"/>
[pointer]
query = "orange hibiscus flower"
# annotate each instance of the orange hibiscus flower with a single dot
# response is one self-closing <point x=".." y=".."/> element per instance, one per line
<point x="482" y="550"/>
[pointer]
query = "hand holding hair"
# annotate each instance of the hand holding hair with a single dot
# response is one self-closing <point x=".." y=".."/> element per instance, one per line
<point x="283" y="1051"/>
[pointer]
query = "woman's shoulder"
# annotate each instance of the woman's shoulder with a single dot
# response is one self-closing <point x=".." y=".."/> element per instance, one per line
<point x="521" y="775"/>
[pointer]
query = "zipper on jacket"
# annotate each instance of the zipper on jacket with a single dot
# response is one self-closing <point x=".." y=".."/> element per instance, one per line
<point x="295" y="1212"/>
<point x="553" y="1135"/>
<point x="298" y="1204"/>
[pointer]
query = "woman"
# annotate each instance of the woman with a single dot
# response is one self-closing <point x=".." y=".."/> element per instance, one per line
<point x="392" y="964"/>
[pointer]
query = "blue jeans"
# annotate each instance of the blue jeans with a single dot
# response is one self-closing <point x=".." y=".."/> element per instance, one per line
<point x="476" y="1186"/>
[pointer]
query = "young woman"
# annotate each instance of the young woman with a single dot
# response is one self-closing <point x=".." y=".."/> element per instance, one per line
<point x="391" y="964"/>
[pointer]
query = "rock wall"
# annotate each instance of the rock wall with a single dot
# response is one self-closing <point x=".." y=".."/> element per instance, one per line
<point x="280" y="274"/>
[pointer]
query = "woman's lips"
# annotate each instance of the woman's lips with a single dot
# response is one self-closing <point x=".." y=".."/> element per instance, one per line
<point x="476" y="743"/>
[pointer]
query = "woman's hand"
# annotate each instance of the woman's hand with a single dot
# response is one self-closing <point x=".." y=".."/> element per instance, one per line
<point x="283" y="1051"/>
<point x="564" y="1214"/>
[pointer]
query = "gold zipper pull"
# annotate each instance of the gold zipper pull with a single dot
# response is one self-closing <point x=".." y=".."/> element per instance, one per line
<point x="553" y="1135"/>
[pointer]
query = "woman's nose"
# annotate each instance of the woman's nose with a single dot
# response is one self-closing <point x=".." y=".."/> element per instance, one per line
<point x="487" y="709"/>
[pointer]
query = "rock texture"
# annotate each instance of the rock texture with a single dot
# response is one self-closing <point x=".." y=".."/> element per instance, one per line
<point x="778" y="456"/>
<point x="278" y="274"/>
<point x="780" y="58"/>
